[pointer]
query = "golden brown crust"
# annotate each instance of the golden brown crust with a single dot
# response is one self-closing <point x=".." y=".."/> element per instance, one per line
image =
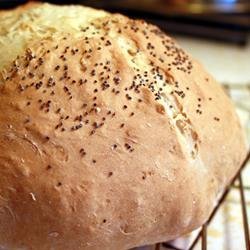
<point x="111" y="140"/>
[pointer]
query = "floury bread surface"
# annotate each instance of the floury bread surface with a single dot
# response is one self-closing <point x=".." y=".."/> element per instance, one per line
<point x="111" y="136"/>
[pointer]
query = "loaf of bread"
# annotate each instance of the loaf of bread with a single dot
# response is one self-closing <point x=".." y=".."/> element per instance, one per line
<point x="111" y="136"/>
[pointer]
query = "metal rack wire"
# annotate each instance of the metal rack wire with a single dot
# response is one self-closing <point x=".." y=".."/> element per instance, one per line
<point x="203" y="232"/>
<point x="202" y="235"/>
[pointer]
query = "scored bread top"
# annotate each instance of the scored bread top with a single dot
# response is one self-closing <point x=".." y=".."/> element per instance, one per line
<point x="111" y="136"/>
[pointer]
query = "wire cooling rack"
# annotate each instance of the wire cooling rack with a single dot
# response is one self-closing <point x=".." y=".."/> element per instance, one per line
<point x="202" y="235"/>
<point x="240" y="94"/>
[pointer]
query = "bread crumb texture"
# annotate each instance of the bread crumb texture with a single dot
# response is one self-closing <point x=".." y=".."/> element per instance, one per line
<point x="111" y="136"/>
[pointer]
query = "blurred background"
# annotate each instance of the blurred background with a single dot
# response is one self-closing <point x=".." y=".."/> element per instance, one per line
<point x="217" y="33"/>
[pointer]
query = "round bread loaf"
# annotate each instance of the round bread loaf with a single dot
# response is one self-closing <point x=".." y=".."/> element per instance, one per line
<point x="111" y="136"/>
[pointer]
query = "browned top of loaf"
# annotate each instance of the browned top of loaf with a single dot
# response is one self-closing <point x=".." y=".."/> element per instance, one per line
<point x="110" y="140"/>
